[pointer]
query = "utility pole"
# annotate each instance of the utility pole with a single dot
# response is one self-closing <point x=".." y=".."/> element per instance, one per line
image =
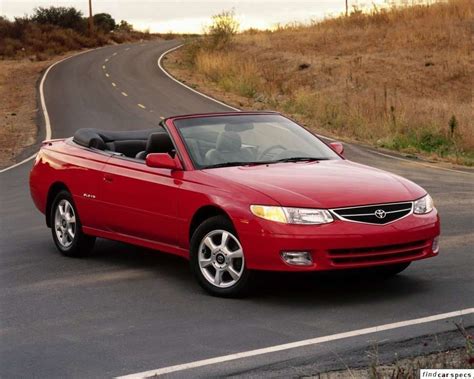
<point x="347" y="8"/>
<point x="91" y="20"/>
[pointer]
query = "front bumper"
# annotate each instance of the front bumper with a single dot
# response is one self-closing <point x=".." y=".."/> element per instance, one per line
<point x="340" y="244"/>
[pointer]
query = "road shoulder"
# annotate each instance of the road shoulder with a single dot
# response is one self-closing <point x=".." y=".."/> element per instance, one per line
<point x="19" y="106"/>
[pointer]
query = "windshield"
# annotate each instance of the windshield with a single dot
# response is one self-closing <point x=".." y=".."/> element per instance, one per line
<point x="249" y="139"/>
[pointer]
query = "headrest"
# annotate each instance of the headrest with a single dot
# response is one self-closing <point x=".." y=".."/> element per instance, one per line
<point x="159" y="143"/>
<point x="89" y="137"/>
<point x="229" y="141"/>
<point x="97" y="143"/>
<point x="96" y="138"/>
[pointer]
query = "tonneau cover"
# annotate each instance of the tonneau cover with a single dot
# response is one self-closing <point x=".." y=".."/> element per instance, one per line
<point x="96" y="138"/>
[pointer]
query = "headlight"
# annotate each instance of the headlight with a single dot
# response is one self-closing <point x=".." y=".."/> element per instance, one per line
<point x="285" y="215"/>
<point x="423" y="205"/>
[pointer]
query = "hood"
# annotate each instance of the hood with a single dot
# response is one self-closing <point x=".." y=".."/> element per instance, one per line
<point x="324" y="184"/>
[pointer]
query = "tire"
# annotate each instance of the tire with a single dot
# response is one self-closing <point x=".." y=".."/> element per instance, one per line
<point x="224" y="273"/>
<point x="66" y="228"/>
<point x="389" y="270"/>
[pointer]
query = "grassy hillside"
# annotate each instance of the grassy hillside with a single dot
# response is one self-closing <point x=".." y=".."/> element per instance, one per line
<point x="56" y="30"/>
<point x="398" y="78"/>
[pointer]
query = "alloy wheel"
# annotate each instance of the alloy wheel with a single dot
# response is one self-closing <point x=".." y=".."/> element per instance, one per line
<point x="221" y="258"/>
<point x="65" y="223"/>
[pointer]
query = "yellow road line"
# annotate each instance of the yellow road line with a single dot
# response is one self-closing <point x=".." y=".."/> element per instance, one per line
<point x="107" y="75"/>
<point x="115" y="85"/>
<point x="141" y="106"/>
<point x="103" y="67"/>
<point x="124" y="94"/>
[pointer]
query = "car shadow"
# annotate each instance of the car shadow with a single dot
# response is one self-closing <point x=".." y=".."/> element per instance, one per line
<point x="335" y="288"/>
<point x="317" y="288"/>
<point x="127" y="256"/>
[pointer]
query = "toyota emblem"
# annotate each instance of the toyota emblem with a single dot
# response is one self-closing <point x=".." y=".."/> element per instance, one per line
<point x="380" y="213"/>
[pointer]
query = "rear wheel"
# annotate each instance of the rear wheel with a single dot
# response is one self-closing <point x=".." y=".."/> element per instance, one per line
<point x="217" y="258"/>
<point x="66" y="228"/>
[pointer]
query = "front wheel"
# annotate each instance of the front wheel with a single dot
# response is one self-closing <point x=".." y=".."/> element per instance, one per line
<point x="67" y="229"/>
<point x="218" y="260"/>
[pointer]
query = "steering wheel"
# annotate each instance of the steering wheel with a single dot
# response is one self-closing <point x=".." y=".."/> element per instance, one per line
<point x="268" y="149"/>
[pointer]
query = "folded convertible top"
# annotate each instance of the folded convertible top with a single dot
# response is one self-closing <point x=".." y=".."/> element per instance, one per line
<point x="97" y="138"/>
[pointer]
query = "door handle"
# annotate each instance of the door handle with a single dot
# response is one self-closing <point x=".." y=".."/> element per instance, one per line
<point x="108" y="178"/>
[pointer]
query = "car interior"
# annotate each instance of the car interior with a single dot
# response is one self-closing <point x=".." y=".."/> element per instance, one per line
<point x="135" y="144"/>
<point x="222" y="144"/>
<point x="207" y="148"/>
<point x="228" y="148"/>
<point x="208" y="145"/>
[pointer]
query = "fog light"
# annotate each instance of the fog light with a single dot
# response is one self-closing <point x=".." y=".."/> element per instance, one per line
<point x="297" y="258"/>
<point x="435" y="245"/>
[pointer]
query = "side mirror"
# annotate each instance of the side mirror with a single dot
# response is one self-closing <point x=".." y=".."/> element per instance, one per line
<point x="163" y="160"/>
<point x="337" y="147"/>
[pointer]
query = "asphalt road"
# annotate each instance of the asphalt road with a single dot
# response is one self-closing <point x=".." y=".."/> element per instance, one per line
<point x="128" y="310"/>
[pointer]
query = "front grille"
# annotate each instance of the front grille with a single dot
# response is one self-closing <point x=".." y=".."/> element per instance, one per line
<point x="378" y="254"/>
<point x="375" y="214"/>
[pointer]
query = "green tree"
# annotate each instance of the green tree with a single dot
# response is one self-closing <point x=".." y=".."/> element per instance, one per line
<point x="104" y="22"/>
<point x="125" y="26"/>
<point x="64" y="17"/>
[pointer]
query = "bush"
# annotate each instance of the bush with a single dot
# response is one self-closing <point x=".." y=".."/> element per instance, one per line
<point x="69" y="18"/>
<point x="120" y="37"/>
<point x="223" y="28"/>
<point x="9" y="46"/>
<point x="124" y="26"/>
<point x="104" y="22"/>
<point x="218" y="36"/>
<point x="5" y="27"/>
<point x="56" y="30"/>
<point x="433" y="142"/>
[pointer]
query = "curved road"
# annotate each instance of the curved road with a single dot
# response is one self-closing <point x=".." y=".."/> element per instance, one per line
<point x="128" y="310"/>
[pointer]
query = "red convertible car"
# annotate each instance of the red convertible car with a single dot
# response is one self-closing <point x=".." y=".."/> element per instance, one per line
<point x="233" y="193"/>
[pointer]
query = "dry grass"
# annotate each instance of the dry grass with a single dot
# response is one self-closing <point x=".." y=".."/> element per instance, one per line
<point x="393" y="78"/>
<point x="409" y="368"/>
<point x="404" y="369"/>
<point x="26" y="39"/>
<point x="17" y="106"/>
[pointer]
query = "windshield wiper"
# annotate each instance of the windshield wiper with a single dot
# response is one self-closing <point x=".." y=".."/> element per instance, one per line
<point x="291" y="159"/>
<point x="301" y="159"/>
<point x="230" y="164"/>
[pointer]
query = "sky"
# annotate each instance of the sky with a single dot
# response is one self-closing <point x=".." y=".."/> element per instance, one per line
<point x="191" y="16"/>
